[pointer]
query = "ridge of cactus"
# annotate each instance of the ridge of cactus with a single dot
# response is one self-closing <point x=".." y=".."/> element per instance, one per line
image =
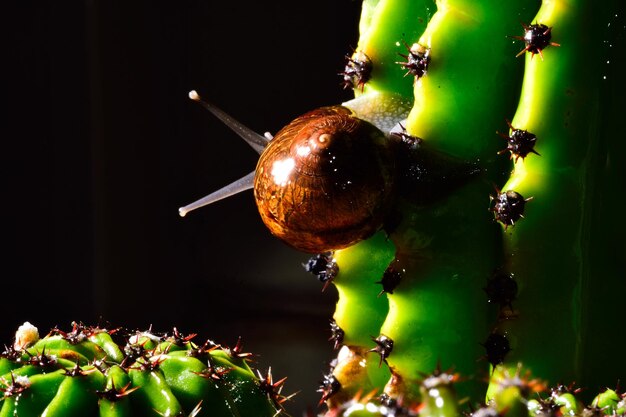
<point x="560" y="177"/>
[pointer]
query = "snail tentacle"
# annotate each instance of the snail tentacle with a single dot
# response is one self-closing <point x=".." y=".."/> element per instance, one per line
<point x="256" y="141"/>
<point x="242" y="184"/>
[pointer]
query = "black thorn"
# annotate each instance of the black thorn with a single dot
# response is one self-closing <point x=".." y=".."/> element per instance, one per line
<point x="496" y="346"/>
<point x="329" y="386"/>
<point x="384" y="346"/>
<point x="501" y="288"/>
<point x="417" y="60"/>
<point x="508" y="207"/>
<point x="323" y="266"/>
<point x="337" y="334"/>
<point x="357" y="71"/>
<point x="390" y="280"/>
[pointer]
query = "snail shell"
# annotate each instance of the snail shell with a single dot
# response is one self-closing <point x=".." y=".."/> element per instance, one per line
<point x="325" y="181"/>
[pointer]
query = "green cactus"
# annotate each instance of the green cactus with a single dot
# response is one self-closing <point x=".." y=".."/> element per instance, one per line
<point x="539" y="272"/>
<point x="84" y="372"/>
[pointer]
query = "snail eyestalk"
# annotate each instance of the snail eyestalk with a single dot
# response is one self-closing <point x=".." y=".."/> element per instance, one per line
<point x="242" y="184"/>
<point x="256" y="141"/>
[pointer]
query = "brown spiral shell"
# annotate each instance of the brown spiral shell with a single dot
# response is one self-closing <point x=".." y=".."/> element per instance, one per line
<point x="326" y="180"/>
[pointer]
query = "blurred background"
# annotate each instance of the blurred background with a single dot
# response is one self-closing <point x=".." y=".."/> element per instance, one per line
<point x="101" y="146"/>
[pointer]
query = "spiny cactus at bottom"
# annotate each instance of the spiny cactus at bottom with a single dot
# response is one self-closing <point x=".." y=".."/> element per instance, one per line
<point x="91" y="371"/>
<point x="515" y="395"/>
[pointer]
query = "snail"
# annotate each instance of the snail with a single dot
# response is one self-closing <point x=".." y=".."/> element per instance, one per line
<point x="330" y="179"/>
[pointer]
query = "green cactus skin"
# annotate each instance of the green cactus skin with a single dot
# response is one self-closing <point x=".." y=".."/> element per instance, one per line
<point x="609" y="402"/>
<point x="568" y="403"/>
<point x="85" y="373"/>
<point x="361" y="309"/>
<point x="360" y="316"/>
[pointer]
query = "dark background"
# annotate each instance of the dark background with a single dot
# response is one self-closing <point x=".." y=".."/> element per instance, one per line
<point x="101" y="146"/>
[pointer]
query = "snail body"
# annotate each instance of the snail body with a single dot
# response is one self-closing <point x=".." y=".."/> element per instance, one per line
<point x="330" y="179"/>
